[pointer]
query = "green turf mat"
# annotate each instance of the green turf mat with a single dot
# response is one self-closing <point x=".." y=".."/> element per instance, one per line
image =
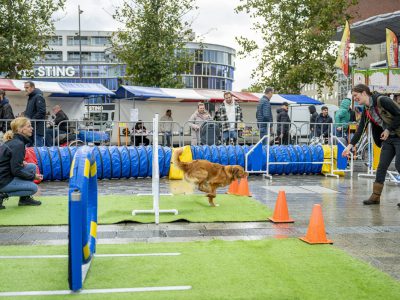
<point x="118" y="208"/>
<point x="266" y="269"/>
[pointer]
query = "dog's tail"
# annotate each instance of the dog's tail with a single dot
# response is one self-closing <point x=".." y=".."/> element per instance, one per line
<point x="177" y="162"/>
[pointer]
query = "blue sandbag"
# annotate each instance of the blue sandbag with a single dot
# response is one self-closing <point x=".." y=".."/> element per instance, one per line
<point x="279" y="158"/>
<point x="215" y="156"/>
<point x="318" y="156"/>
<point x="224" y="158"/>
<point x="55" y="163"/>
<point x="301" y="168"/>
<point x="293" y="158"/>
<point x="66" y="158"/>
<point x="194" y="152"/>
<point x="99" y="162"/>
<point x="125" y="162"/>
<point x="307" y="158"/>
<point x="149" y="151"/>
<point x="206" y="153"/>
<point x="135" y="161"/>
<point x="144" y="162"/>
<point x="232" y="155"/>
<point x="116" y="162"/>
<point x="287" y="168"/>
<point x="44" y="165"/>
<point x="106" y="162"/>
<point x="167" y="160"/>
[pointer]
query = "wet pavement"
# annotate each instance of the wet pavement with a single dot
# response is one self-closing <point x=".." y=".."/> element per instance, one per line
<point x="370" y="233"/>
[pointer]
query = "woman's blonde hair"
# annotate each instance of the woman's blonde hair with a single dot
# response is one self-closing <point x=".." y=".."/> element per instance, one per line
<point x="15" y="125"/>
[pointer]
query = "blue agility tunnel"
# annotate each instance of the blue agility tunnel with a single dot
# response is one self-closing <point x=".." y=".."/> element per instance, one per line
<point x="129" y="161"/>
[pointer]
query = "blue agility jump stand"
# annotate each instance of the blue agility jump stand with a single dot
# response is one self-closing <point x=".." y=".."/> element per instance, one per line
<point x="82" y="216"/>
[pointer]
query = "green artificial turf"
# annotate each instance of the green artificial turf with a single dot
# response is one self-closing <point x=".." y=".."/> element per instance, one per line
<point x="266" y="269"/>
<point x="118" y="208"/>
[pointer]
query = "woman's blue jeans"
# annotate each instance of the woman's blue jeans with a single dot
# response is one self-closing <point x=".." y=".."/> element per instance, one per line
<point x="21" y="187"/>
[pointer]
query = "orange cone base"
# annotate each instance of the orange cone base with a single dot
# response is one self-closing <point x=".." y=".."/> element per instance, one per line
<point x="304" y="239"/>
<point x="281" y="221"/>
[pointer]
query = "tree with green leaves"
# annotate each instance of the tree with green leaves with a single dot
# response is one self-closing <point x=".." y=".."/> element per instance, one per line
<point x="152" y="42"/>
<point x="297" y="42"/>
<point x="25" y="28"/>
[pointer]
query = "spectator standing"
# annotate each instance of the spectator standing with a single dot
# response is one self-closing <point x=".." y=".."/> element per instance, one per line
<point x="283" y="129"/>
<point x="166" y="127"/>
<point x="229" y="113"/>
<point x="342" y="118"/>
<point x="62" y="128"/>
<point x="200" y="116"/>
<point x="264" y="112"/>
<point x="384" y="115"/>
<point x="6" y="112"/>
<point x="35" y="110"/>
<point x="16" y="176"/>
<point x="323" y="121"/>
<point x="313" y="119"/>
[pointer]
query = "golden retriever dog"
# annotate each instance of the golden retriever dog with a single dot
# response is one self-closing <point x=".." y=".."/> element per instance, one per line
<point x="206" y="175"/>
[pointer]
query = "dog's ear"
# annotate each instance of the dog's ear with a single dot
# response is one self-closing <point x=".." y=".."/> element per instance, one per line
<point x="235" y="172"/>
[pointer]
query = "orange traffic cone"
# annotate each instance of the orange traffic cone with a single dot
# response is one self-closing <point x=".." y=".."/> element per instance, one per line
<point x="243" y="189"/>
<point x="281" y="212"/>
<point x="233" y="188"/>
<point x="316" y="229"/>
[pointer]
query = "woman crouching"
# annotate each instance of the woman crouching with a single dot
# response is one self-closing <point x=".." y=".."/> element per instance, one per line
<point x="16" y="176"/>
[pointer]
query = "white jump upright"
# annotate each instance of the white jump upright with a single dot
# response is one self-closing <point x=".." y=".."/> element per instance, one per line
<point x="155" y="181"/>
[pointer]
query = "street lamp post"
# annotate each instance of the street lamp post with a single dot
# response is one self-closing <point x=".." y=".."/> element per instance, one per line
<point x="80" y="42"/>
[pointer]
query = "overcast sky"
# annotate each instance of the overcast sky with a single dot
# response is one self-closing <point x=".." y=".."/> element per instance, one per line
<point x="215" y="21"/>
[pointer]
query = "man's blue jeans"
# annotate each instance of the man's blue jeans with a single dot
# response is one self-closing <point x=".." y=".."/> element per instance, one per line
<point x="229" y="134"/>
<point x="263" y="131"/>
<point x="21" y="187"/>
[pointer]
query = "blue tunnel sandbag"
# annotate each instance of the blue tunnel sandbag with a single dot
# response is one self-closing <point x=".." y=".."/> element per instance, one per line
<point x="116" y="162"/>
<point x="207" y="153"/>
<point x="134" y="161"/>
<point x="301" y="168"/>
<point x="106" y="162"/>
<point x="56" y="163"/>
<point x="271" y="159"/>
<point x="167" y="161"/>
<point x="232" y="155"/>
<point x="294" y="159"/>
<point x="125" y="162"/>
<point x="224" y="158"/>
<point x="307" y="159"/>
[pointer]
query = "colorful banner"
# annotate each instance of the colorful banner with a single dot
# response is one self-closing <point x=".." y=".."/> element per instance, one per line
<point x="342" y="60"/>
<point x="392" y="49"/>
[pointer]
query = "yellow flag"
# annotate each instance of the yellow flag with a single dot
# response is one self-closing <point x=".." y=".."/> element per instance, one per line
<point x="392" y="49"/>
<point x="342" y="60"/>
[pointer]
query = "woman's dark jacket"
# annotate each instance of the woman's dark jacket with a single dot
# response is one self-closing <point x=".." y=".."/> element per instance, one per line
<point x="386" y="107"/>
<point x="12" y="154"/>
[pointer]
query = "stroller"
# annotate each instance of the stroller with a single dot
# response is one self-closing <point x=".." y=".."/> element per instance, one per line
<point x="210" y="133"/>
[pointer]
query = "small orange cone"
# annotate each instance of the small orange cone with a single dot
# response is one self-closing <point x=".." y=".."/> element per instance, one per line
<point x="233" y="188"/>
<point x="316" y="229"/>
<point x="281" y="212"/>
<point x="243" y="189"/>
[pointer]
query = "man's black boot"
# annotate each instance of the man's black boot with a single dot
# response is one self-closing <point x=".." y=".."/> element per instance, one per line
<point x="28" y="201"/>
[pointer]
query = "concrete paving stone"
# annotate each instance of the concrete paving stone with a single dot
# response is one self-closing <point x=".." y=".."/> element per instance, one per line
<point x="10" y="236"/>
<point x="141" y="234"/>
<point x="184" y="233"/>
<point x="43" y="236"/>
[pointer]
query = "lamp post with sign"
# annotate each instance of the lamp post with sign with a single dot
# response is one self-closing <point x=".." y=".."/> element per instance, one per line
<point x="80" y="43"/>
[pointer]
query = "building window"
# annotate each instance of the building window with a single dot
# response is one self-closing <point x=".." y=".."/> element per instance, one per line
<point x="100" y="41"/>
<point x="55" y="40"/>
<point x="74" y="40"/>
<point x="74" y="56"/>
<point x="52" y="56"/>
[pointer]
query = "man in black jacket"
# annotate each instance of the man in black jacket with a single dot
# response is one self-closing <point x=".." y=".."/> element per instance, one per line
<point x="6" y="112"/>
<point x="313" y="119"/>
<point x="322" y="119"/>
<point x="283" y="129"/>
<point x="36" y="111"/>
<point x="60" y="116"/>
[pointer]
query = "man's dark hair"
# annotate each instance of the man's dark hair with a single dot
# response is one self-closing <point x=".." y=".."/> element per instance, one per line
<point x="168" y="110"/>
<point x="324" y="107"/>
<point x="2" y="92"/>
<point x="285" y="104"/>
<point x="31" y="84"/>
<point x="359" y="88"/>
<point x="268" y="90"/>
